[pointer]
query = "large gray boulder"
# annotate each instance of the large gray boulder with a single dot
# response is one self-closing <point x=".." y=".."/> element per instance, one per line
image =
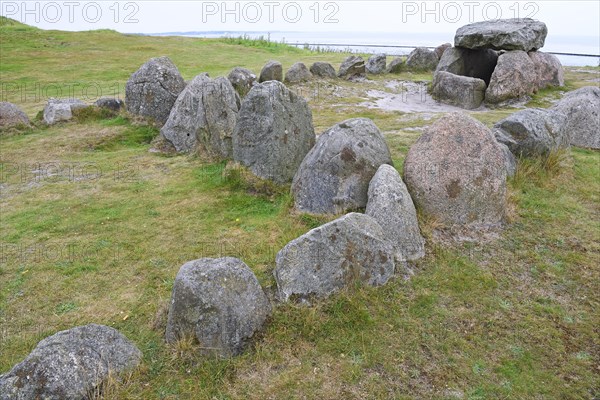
<point x="272" y="71"/>
<point x="274" y="132"/>
<point x="478" y="64"/>
<point x="219" y="303"/>
<point x="439" y="51"/>
<point x="397" y="66"/>
<point x="422" y="59"/>
<point x="582" y="108"/>
<point x="376" y="64"/>
<point x="70" y="365"/>
<point x="298" y="73"/>
<point x="548" y="68"/>
<point x="350" y="249"/>
<point x="392" y="207"/>
<point x="334" y="177"/>
<point x="11" y="116"/>
<point x="456" y="173"/>
<point x="242" y="80"/>
<point x="514" y="78"/>
<point x="153" y="89"/>
<point x="58" y="110"/>
<point x="457" y="90"/>
<point x="504" y="34"/>
<point x="204" y="117"/>
<point x="532" y="132"/>
<point x="323" y="70"/>
<point x="352" y="67"/>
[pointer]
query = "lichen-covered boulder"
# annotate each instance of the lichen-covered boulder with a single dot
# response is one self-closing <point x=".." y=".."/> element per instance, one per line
<point x="376" y="64"/>
<point x="392" y="207"/>
<point x="582" y="108"/>
<point x="298" y="73"/>
<point x="323" y="70"/>
<point x="153" y="89"/>
<point x="502" y="34"/>
<point x="70" y="365"/>
<point x="110" y="103"/>
<point x="350" y="249"/>
<point x="352" y="67"/>
<point x="548" y="68"/>
<point x="334" y="177"/>
<point x="456" y="173"/>
<point x="272" y="71"/>
<point x="422" y="59"/>
<point x="218" y="303"/>
<point x="397" y="66"/>
<point x="204" y="117"/>
<point x="242" y="80"/>
<point x="532" y="132"/>
<point x="274" y="132"/>
<point x="457" y="90"/>
<point x="514" y="78"/>
<point x="11" y="116"/>
<point x="58" y="110"/>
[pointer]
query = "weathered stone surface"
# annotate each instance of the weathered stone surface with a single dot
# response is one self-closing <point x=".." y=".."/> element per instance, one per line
<point x="392" y="207"/>
<point x="58" y="110"/>
<point x="242" y="80"/>
<point x="439" y="51"/>
<point x="582" y="108"/>
<point x="532" y="132"/>
<point x="350" y="249"/>
<point x="110" y="103"/>
<point x="397" y="66"/>
<point x="376" y="64"/>
<point x="471" y="63"/>
<point x="456" y="173"/>
<point x="514" y="78"/>
<point x="504" y="34"/>
<point x="323" y="70"/>
<point x="218" y="302"/>
<point x="11" y="116"/>
<point x="298" y="73"/>
<point x="510" y="160"/>
<point x="70" y="365"/>
<point x="456" y="90"/>
<point x="274" y="132"/>
<point x="422" y="59"/>
<point x="352" y="67"/>
<point x="272" y="71"/>
<point x="548" y="68"/>
<point x="153" y="89"/>
<point x="334" y="177"/>
<point x="204" y="117"/>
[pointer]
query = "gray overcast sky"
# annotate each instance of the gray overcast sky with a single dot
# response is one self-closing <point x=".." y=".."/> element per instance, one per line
<point x="576" y="18"/>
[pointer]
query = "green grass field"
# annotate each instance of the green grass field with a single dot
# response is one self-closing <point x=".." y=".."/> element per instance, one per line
<point x="94" y="228"/>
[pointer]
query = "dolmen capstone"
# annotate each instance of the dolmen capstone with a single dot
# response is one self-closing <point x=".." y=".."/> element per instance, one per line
<point x="496" y="62"/>
<point x="456" y="173"/>
<point x="71" y="364"/>
<point x="334" y="176"/>
<point x="204" y="117"/>
<point x="153" y="89"/>
<point x="218" y="304"/>
<point x="274" y="132"/>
